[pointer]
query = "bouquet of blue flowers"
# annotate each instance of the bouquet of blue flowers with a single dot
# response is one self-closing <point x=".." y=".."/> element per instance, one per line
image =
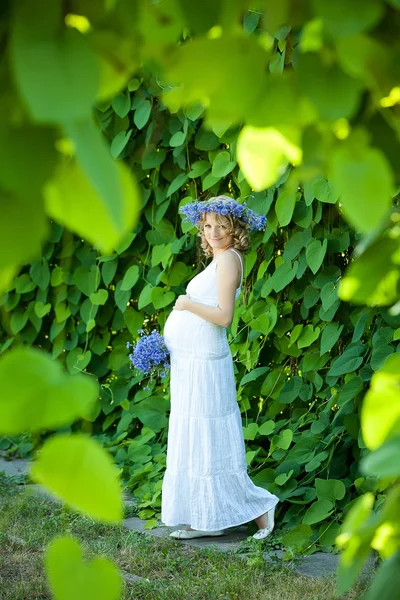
<point x="150" y="355"/>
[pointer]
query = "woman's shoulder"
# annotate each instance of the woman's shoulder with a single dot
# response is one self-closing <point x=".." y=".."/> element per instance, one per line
<point x="229" y="256"/>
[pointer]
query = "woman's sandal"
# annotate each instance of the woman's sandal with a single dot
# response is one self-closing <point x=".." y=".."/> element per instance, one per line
<point x="264" y="533"/>
<point x="188" y="534"/>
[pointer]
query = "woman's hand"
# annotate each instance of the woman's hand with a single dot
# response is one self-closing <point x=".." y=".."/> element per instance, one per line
<point x="182" y="302"/>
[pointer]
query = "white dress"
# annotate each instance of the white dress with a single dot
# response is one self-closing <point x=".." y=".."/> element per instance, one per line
<point x="206" y="485"/>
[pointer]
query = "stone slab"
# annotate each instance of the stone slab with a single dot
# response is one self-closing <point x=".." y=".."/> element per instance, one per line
<point x="324" y="564"/>
<point x="11" y="468"/>
<point x="226" y="543"/>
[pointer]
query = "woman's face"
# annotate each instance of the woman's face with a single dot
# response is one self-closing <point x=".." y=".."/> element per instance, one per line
<point x="217" y="235"/>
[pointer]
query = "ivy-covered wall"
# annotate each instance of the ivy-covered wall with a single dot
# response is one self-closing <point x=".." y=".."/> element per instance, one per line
<point x="302" y="358"/>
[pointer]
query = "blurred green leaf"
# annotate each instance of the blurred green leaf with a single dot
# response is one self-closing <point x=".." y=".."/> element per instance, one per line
<point x="380" y="415"/>
<point x="264" y="154"/>
<point x="36" y="394"/>
<point x="365" y="184"/>
<point x="56" y="71"/>
<point x="79" y="471"/>
<point x="70" y="577"/>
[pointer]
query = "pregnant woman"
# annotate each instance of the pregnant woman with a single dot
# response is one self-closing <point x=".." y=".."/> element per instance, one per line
<point x="206" y="486"/>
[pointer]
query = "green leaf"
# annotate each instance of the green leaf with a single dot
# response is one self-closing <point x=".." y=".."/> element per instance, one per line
<point x="323" y="191"/>
<point x="42" y="309"/>
<point x="330" y="489"/>
<point x="130" y="278"/>
<point x="133" y="320"/>
<point x="199" y="168"/>
<point x="318" y="511"/>
<point x="284" y="206"/>
<point x="334" y="93"/>
<point x="177" y="183"/>
<point x="208" y="181"/>
<point x="222" y="164"/>
<point x="62" y="312"/>
<point x="250" y="432"/>
<point x="145" y="296"/>
<point x="330" y="336"/>
<point x="161" y="299"/>
<point x="253" y="375"/>
<point x="290" y="390"/>
<point x="298" y="538"/>
<point x="241" y="71"/>
<point x="372" y="278"/>
<point x="55" y="68"/>
<point x="119" y="142"/>
<point x="383" y="462"/>
<point x="308" y="336"/>
<point x="341" y="19"/>
<point x="354" y="556"/>
<point x="73" y="201"/>
<point x="380" y="415"/>
<point x="99" y="298"/>
<point x="121" y="104"/>
<point x="283" y="477"/>
<point x="284" y="274"/>
<point x="177" y="139"/>
<point x="40" y="273"/>
<point x="266" y="428"/>
<point x="77" y="469"/>
<point x="315" y="254"/>
<point x="108" y="270"/>
<point x="386" y="579"/>
<point x="18" y="321"/>
<point x="264" y="154"/>
<point x="36" y="394"/>
<point x="121" y="297"/>
<point x="284" y="439"/>
<point x="142" y="114"/>
<point x="152" y="413"/>
<point x="98" y="578"/>
<point x="365" y="183"/>
<point x="329" y="295"/>
<point x="346" y="363"/>
<point x="77" y="360"/>
<point x="177" y="274"/>
<point x="295" y="333"/>
<point x="379" y="354"/>
<point x="153" y="158"/>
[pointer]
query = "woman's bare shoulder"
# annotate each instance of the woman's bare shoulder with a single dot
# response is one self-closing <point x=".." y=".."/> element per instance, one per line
<point x="228" y="258"/>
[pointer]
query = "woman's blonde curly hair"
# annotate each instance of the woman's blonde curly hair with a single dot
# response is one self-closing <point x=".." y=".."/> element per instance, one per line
<point x="235" y="227"/>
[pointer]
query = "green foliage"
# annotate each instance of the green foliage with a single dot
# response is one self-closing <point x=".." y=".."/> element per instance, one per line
<point x="98" y="578"/>
<point x="44" y="397"/>
<point x="77" y="469"/>
<point x="302" y="358"/>
<point x="314" y="86"/>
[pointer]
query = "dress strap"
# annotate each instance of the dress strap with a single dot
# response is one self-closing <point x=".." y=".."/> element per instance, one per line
<point x="241" y="264"/>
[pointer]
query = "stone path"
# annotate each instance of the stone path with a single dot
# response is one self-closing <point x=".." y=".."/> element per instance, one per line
<point x="320" y="564"/>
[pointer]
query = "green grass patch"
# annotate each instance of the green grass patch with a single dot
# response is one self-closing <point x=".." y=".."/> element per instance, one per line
<point x="170" y="570"/>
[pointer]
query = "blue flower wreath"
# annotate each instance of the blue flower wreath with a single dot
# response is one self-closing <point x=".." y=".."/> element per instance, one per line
<point x="194" y="210"/>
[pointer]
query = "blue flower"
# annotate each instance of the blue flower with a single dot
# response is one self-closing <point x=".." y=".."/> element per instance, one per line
<point x="150" y="354"/>
<point x="192" y="212"/>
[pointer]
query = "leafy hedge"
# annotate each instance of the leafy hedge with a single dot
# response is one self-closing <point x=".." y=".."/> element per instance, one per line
<point x="302" y="358"/>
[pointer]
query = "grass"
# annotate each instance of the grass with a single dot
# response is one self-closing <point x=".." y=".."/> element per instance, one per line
<point x="174" y="571"/>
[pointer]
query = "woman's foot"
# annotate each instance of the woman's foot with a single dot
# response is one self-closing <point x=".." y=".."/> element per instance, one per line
<point x="266" y="524"/>
<point x="189" y="533"/>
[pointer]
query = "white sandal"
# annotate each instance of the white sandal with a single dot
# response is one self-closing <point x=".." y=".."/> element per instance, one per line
<point x="264" y="533"/>
<point x="188" y="534"/>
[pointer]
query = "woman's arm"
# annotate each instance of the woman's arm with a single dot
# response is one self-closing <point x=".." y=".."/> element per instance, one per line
<point x="227" y="278"/>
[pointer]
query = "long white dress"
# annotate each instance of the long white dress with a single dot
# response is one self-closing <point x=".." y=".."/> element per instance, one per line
<point x="206" y="485"/>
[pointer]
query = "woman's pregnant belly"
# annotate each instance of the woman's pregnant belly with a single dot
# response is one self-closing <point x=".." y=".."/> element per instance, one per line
<point x="187" y="333"/>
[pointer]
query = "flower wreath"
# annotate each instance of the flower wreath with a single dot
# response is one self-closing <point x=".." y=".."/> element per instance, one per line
<point x="194" y="210"/>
